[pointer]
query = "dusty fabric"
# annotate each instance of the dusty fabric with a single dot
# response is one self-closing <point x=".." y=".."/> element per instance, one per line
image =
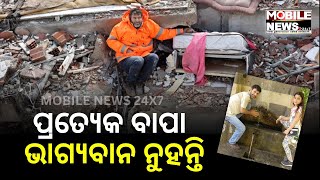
<point x="125" y="36"/>
<point x="251" y="9"/>
<point x="242" y="3"/>
<point x="193" y="60"/>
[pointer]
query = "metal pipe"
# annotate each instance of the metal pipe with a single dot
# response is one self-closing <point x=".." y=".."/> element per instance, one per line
<point x="96" y="10"/>
<point x="82" y="11"/>
<point x="250" y="148"/>
<point x="282" y="60"/>
<point x="296" y="72"/>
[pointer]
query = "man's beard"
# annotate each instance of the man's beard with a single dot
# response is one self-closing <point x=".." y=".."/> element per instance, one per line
<point x="137" y="25"/>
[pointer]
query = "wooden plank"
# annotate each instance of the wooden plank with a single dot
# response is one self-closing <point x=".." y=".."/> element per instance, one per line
<point x="82" y="70"/>
<point x="175" y="86"/>
<point x="66" y="63"/>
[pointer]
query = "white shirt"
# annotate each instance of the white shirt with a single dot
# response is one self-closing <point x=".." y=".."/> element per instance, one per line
<point x="238" y="101"/>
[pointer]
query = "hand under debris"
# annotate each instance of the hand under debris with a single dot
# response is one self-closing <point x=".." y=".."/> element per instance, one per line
<point x="189" y="30"/>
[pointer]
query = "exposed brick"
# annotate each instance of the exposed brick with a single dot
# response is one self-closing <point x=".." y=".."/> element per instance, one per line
<point x="288" y="65"/>
<point x="37" y="54"/>
<point x="302" y="42"/>
<point x="61" y="37"/>
<point x="56" y="51"/>
<point x="313" y="71"/>
<point x="31" y="43"/>
<point x="306" y="77"/>
<point x="307" y="47"/>
<point x="280" y="71"/>
<point x="7" y="35"/>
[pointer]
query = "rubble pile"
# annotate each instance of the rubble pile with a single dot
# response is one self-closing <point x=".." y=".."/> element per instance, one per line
<point x="274" y="4"/>
<point x="7" y="6"/>
<point x="213" y="94"/>
<point x="291" y="61"/>
<point x="60" y="61"/>
<point x="189" y="96"/>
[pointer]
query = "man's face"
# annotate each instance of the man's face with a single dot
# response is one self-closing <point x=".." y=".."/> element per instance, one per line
<point x="254" y="93"/>
<point x="136" y="20"/>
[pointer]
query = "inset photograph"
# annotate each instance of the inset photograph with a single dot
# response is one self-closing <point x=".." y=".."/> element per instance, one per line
<point x="263" y="121"/>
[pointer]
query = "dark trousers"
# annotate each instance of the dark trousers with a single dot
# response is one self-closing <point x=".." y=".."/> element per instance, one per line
<point x="139" y="68"/>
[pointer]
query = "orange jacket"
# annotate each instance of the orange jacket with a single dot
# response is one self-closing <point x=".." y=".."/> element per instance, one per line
<point x="124" y="35"/>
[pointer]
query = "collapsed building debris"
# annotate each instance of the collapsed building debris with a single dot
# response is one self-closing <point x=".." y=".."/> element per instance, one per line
<point x="291" y="61"/>
<point x="31" y="65"/>
<point x="271" y="4"/>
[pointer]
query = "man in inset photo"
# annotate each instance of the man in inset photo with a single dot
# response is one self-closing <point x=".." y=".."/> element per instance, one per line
<point x="240" y="104"/>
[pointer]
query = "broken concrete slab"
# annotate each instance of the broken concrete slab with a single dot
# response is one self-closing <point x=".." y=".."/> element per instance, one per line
<point x="101" y="51"/>
<point x="313" y="53"/>
<point x="22" y="31"/>
<point x="32" y="73"/>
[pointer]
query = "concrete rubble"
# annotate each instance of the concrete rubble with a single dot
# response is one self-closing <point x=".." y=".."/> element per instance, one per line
<point x="214" y="93"/>
<point x="286" y="4"/>
<point x="82" y="62"/>
<point x="291" y="61"/>
<point x="58" y="62"/>
<point x="7" y="6"/>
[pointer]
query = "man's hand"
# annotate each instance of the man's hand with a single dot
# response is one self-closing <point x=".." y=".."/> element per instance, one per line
<point x="255" y="113"/>
<point x="189" y="30"/>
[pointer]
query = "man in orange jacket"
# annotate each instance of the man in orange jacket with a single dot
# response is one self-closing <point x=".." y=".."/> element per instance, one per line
<point x="132" y="40"/>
